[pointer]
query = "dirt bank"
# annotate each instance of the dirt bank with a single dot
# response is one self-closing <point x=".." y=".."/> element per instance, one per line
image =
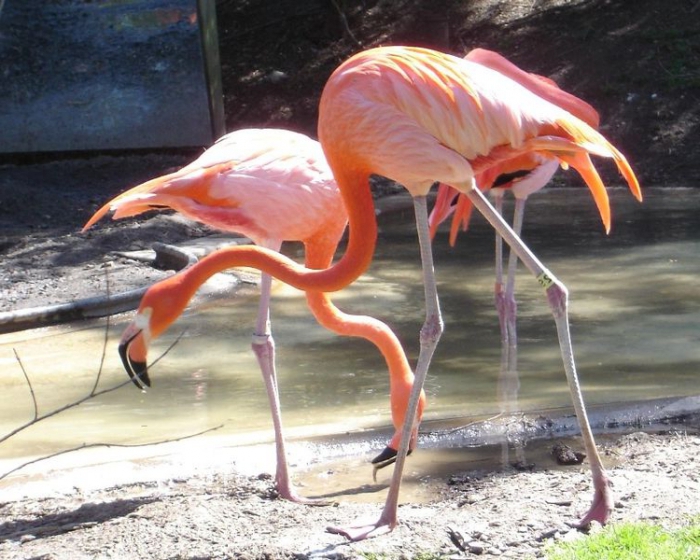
<point x="491" y="513"/>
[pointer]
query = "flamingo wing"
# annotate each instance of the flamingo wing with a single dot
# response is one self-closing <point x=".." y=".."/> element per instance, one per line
<point x="579" y="112"/>
<point x="442" y="113"/>
<point x="278" y="174"/>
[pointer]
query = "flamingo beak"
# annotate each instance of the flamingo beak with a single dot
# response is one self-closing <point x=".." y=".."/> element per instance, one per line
<point x="137" y="370"/>
<point x="384" y="459"/>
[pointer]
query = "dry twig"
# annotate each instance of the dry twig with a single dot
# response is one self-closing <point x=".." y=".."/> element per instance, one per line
<point x="344" y="24"/>
<point x="93" y="393"/>
<point x="100" y="444"/>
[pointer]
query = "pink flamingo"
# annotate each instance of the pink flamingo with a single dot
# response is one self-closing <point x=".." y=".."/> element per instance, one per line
<point x="522" y="178"/>
<point x="419" y="116"/>
<point x="271" y="185"/>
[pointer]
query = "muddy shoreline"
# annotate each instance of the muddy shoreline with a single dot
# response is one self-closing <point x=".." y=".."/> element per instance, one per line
<point x="223" y="511"/>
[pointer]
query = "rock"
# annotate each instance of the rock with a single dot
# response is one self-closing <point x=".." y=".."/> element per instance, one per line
<point x="564" y="455"/>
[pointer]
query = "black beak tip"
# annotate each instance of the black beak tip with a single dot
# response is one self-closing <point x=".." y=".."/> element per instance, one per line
<point x="138" y="371"/>
<point x="385" y="458"/>
<point x="139" y="374"/>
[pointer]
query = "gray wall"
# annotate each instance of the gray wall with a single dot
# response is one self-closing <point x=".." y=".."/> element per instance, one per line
<point x="104" y="74"/>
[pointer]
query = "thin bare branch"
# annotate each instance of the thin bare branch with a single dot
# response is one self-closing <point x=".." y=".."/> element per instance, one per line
<point x="29" y="383"/>
<point x="464" y="426"/>
<point x="89" y="445"/>
<point x="344" y="23"/>
<point x="106" y="338"/>
<point x="168" y="349"/>
<point x="92" y="394"/>
<point x="68" y="406"/>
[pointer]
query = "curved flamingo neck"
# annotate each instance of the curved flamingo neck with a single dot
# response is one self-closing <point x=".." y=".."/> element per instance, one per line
<point x="355" y="260"/>
<point x="329" y="316"/>
<point x="362" y="326"/>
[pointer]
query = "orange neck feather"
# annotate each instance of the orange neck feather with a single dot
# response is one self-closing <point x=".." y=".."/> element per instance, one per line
<point x="329" y="316"/>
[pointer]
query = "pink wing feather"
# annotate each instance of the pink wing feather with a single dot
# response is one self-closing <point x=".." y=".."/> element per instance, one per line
<point x="542" y="160"/>
<point x="267" y="184"/>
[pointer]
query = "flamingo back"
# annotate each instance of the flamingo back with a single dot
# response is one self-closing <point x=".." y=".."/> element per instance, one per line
<point x="267" y="184"/>
<point x="419" y="116"/>
<point x="540" y="85"/>
<point x="507" y="158"/>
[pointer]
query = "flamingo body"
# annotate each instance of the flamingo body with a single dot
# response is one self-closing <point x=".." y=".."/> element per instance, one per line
<point x="273" y="186"/>
<point x="534" y="169"/>
<point x="418" y="116"/>
<point x="267" y="184"/>
<point x="450" y="118"/>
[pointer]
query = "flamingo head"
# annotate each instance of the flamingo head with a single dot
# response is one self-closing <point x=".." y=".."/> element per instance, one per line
<point x="133" y="349"/>
<point x="400" y="396"/>
<point x="160" y="306"/>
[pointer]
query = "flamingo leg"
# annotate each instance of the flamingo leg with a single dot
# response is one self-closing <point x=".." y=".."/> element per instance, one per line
<point x="263" y="345"/>
<point x="499" y="294"/>
<point x="557" y="297"/>
<point x="511" y="306"/>
<point x="500" y="302"/>
<point x="508" y="386"/>
<point x="509" y="382"/>
<point x="429" y="337"/>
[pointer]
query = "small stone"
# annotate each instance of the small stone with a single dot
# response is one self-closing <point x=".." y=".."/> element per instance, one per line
<point x="27" y="538"/>
<point x="475" y="498"/>
<point x="564" y="455"/>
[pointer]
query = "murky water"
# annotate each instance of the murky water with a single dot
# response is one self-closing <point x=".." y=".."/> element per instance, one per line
<point x="635" y="311"/>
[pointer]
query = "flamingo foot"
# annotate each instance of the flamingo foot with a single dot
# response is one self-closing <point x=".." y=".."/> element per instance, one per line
<point x="298" y="499"/>
<point x="602" y="506"/>
<point x="364" y="530"/>
<point x="287" y="491"/>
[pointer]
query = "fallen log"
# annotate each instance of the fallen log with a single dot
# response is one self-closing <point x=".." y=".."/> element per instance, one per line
<point x="167" y="256"/>
<point x="88" y="308"/>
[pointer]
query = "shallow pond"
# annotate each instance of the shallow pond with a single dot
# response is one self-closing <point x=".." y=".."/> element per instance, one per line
<point x="635" y="311"/>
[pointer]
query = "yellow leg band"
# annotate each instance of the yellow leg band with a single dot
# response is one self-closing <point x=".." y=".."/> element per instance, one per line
<point x="545" y="279"/>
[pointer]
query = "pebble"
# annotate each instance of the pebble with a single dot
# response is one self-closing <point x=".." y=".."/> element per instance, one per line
<point x="27" y="538"/>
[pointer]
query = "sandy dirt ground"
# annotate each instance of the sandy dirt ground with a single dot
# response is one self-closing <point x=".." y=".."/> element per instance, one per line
<point x="481" y="511"/>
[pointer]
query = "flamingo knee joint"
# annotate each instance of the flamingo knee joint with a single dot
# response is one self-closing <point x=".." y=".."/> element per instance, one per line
<point x="261" y="339"/>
